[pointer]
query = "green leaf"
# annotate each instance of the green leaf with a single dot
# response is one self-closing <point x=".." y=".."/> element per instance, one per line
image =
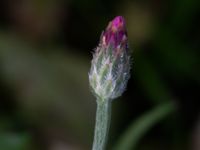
<point x="11" y="141"/>
<point x="130" y="139"/>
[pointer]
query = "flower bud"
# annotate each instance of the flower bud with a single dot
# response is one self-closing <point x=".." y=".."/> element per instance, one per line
<point x="110" y="67"/>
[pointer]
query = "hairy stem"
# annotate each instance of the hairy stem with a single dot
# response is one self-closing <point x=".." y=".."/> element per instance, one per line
<point x="103" y="116"/>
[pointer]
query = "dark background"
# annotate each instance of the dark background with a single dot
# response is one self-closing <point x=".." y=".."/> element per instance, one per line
<point x="45" y="52"/>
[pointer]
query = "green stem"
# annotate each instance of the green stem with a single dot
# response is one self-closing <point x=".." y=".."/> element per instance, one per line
<point x="103" y="116"/>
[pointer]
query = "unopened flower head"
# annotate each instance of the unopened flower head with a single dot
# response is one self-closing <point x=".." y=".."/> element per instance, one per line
<point x="110" y="68"/>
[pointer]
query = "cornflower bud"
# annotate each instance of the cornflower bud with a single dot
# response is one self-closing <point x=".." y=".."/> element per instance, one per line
<point x="110" y="66"/>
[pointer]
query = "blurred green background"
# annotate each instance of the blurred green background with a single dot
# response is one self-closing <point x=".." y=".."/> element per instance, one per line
<point x="45" y="52"/>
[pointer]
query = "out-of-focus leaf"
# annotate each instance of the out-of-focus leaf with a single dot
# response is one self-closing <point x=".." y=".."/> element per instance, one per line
<point x="11" y="141"/>
<point x="151" y="81"/>
<point x="175" y="55"/>
<point x="52" y="89"/>
<point x="183" y="12"/>
<point x="130" y="139"/>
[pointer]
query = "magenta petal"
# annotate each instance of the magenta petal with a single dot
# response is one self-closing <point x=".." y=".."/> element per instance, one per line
<point x="115" y="32"/>
<point x="118" y="21"/>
